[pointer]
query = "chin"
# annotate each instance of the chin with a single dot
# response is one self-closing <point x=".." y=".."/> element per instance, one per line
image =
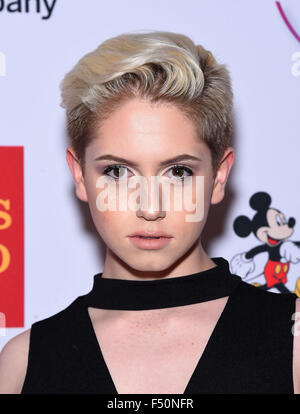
<point x="149" y="265"/>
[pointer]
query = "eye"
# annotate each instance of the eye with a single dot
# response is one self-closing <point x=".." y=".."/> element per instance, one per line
<point x="284" y="221"/>
<point x="179" y="171"/>
<point x="115" y="169"/>
<point x="278" y="219"/>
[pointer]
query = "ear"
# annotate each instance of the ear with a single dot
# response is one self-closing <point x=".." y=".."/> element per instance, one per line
<point x="76" y="171"/>
<point x="222" y="174"/>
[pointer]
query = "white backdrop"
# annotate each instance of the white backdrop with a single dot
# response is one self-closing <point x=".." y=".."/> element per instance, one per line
<point x="62" y="250"/>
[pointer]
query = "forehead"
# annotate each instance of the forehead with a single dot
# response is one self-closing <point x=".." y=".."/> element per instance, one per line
<point x="139" y="127"/>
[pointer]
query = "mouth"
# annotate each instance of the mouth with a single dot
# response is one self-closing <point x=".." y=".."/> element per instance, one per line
<point x="150" y="241"/>
<point x="272" y="241"/>
<point x="151" y="235"/>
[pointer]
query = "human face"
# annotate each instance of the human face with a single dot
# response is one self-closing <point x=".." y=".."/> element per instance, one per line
<point x="146" y="135"/>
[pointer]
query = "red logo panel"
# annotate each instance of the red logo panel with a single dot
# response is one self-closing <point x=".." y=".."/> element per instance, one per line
<point x="12" y="235"/>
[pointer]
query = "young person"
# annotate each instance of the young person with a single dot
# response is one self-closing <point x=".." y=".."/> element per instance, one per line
<point x="162" y="316"/>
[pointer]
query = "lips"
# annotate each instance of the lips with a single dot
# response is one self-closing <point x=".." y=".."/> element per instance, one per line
<point x="153" y="234"/>
<point x="150" y="241"/>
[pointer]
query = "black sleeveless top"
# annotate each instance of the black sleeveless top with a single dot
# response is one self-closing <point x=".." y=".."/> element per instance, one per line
<point x="249" y="351"/>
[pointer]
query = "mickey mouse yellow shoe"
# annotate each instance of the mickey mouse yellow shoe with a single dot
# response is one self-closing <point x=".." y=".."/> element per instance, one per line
<point x="297" y="289"/>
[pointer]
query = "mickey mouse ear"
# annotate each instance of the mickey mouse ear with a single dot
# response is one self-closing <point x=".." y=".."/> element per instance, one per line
<point x="242" y="226"/>
<point x="260" y="201"/>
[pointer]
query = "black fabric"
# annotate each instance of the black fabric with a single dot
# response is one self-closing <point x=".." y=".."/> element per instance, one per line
<point x="249" y="351"/>
<point x="210" y="284"/>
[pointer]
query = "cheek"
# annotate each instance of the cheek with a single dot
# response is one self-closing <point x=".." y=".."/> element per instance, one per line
<point x="109" y="223"/>
<point x="262" y="234"/>
<point x="183" y="230"/>
<point x="103" y="220"/>
<point x="191" y="230"/>
<point x="115" y="223"/>
<point x="197" y="211"/>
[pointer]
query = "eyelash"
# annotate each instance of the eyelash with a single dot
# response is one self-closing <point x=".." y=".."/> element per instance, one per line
<point x="112" y="167"/>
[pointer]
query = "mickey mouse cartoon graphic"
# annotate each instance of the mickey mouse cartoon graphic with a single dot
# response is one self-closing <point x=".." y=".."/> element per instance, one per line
<point x="270" y="226"/>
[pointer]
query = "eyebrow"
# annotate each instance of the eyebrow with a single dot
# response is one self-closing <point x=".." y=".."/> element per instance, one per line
<point x="183" y="157"/>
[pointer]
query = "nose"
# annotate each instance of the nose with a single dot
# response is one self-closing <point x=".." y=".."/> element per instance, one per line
<point x="291" y="222"/>
<point x="152" y="194"/>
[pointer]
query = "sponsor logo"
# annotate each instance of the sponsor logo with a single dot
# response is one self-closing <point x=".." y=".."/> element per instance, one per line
<point x="2" y="324"/>
<point x="12" y="236"/>
<point x="287" y="22"/>
<point x="296" y="325"/>
<point x="296" y="65"/>
<point x="43" y="7"/>
<point x="295" y="69"/>
<point x="2" y="64"/>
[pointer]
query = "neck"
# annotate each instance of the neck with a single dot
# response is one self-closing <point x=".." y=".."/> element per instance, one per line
<point x="195" y="260"/>
<point x="186" y="289"/>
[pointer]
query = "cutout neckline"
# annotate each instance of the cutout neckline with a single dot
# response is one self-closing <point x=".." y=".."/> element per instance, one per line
<point x="109" y="293"/>
<point x="124" y="294"/>
<point x="100" y="363"/>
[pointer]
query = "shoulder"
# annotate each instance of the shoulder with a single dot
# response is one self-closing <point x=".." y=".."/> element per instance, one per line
<point x="29" y="344"/>
<point x="264" y="299"/>
<point x="55" y="330"/>
<point x="296" y="364"/>
<point x="268" y="312"/>
<point x="58" y="322"/>
<point x="13" y="363"/>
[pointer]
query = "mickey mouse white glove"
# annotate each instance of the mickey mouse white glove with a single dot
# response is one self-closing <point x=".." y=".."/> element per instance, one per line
<point x="290" y="251"/>
<point x="241" y="266"/>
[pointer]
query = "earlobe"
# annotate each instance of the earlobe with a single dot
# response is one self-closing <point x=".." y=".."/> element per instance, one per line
<point x="76" y="172"/>
<point x="222" y="175"/>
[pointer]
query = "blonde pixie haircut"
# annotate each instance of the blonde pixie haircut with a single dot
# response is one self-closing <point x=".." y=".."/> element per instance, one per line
<point x="160" y="66"/>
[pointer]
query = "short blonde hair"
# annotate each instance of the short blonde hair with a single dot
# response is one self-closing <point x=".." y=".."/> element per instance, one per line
<point x="160" y="66"/>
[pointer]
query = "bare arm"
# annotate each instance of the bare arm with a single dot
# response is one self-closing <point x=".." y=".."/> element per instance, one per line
<point x="296" y="357"/>
<point x="13" y="363"/>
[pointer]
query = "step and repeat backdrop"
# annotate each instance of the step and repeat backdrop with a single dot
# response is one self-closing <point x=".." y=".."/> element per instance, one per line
<point x="49" y="248"/>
